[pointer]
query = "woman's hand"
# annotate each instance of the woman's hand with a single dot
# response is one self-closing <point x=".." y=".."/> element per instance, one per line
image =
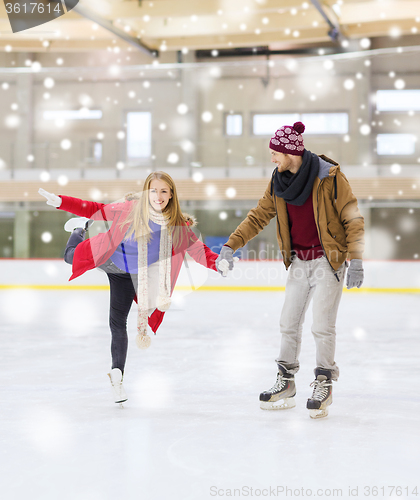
<point x="52" y="199"/>
<point x="225" y="261"/>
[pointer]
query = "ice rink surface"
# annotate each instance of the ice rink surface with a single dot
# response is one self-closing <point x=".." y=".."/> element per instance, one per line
<point x="192" y="428"/>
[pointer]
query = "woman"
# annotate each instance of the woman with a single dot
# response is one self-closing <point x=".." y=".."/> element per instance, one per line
<point x="141" y="253"/>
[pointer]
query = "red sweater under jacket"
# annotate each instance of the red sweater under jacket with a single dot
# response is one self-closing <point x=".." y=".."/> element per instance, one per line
<point x="303" y="231"/>
<point x="95" y="251"/>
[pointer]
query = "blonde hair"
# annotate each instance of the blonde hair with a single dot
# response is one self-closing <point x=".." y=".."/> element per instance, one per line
<point x="138" y="217"/>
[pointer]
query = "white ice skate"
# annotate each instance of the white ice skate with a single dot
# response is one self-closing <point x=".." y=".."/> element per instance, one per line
<point x="116" y="378"/>
<point x="77" y="222"/>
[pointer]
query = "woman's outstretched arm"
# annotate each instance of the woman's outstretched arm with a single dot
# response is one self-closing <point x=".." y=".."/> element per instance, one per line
<point x="83" y="208"/>
<point x="76" y="206"/>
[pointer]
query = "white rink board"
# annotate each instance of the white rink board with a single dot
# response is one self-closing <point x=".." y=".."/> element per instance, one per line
<point x="54" y="272"/>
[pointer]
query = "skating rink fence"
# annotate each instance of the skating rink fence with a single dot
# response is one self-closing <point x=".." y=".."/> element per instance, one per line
<point x="380" y="276"/>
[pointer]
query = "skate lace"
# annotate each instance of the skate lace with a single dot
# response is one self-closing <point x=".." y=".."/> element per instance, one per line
<point x="279" y="385"/>
<point x="320" y="389"/>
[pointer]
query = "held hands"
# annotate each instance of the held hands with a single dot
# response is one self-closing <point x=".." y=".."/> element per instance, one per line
<point x="52" y="199"/>
<point x="355" y="274"/>
<point x="225" y="261"/>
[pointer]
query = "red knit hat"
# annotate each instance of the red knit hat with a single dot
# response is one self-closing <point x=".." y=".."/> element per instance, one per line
<point x="288" y="140"/>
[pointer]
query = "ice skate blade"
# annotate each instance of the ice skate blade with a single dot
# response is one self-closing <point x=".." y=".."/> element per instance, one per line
<point x="318" y="413"/>
<point x="281" y="404"/>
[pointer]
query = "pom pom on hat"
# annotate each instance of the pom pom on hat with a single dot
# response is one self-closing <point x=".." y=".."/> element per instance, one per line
<point x="299" y="127"/>
<point x="288" y="140"/>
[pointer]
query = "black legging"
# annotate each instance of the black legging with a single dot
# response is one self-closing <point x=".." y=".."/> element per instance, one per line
<point x="122" y="291"/>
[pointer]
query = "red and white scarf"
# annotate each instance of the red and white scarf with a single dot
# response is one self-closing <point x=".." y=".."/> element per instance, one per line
<point x="164" y="298"/>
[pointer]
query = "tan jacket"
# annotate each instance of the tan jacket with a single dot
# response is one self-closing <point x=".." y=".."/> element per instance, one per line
<point x="339" y="222"/>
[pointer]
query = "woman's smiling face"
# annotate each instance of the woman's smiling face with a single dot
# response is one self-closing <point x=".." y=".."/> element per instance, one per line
<point x="159" y="194"/>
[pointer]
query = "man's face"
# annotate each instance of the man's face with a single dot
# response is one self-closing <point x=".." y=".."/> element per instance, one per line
<point x="281" y="160"/>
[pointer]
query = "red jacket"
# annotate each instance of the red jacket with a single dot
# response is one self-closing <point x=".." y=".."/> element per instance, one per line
<point x="95" y="251"/>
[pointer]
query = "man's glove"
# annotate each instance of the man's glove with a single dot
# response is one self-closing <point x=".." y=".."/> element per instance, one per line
<point x="52" y="199"/>
<point x="224" y="262"/>
<point x="355" y="274"/>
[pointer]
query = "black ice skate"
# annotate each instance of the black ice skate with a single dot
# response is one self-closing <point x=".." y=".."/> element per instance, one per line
<point x="322" y="394"/>
<point x="281" y="395"/>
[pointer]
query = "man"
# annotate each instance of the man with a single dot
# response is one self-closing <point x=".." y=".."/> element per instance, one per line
<point x="318" y="226"/>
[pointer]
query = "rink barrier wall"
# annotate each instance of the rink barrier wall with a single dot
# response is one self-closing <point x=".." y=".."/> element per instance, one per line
<point x="248" y="276"/>
<point x="206" y="288"/>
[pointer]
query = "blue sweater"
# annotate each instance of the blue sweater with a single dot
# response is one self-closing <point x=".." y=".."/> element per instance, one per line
<point x="126" y="255"/>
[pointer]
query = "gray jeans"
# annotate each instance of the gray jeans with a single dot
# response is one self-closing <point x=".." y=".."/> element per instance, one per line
<point x="312" y="279"/>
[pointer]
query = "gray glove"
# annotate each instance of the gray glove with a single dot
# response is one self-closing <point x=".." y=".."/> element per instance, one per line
<point x="355" y="274"/>
<point x="52" y="199"/>
<point x="224" y="262"/>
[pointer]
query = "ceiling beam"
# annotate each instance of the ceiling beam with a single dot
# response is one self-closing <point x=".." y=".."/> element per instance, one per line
<point x="334" y="32"/>
<point x="245" y="40"/>
<point x="109" y="26"/>
<point x="188" y="8"/>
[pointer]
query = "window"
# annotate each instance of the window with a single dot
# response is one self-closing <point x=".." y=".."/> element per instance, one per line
<point x="234" y="124"/>
<point x="398" y="100"/>
<point x="315" y="123"/>
<point x="96" y="150"/>
<point x="395" y="144"/>
<point x="73" y="114"/>
<point x="267" y="124"/>
<point x="326" y="123"/>
<point x="139" y="134"/>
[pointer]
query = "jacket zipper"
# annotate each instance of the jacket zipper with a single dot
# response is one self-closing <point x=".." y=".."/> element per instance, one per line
<point x="319" y="233"/>
<point x="278" y="223"/>
<point x="125" y="258"/>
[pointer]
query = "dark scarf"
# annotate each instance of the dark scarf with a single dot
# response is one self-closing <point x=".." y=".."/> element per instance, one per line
<point x="295" y="188"/>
